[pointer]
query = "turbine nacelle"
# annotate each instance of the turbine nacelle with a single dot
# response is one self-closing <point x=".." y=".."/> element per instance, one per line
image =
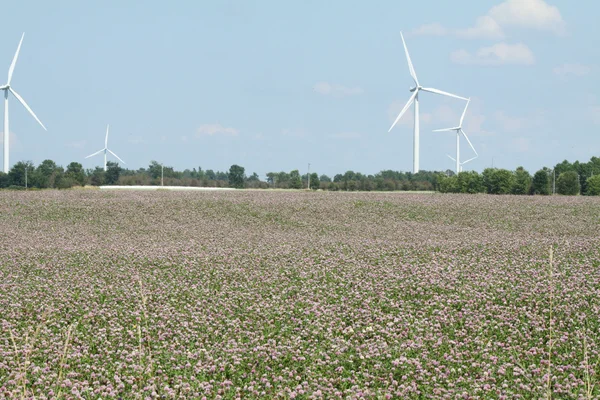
<point x="413" y="88"/>
<point x="4" y="87"/>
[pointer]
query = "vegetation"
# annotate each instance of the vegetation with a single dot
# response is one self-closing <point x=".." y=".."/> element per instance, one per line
<point x="265" y="295"/>
<point x="565" y="178"/>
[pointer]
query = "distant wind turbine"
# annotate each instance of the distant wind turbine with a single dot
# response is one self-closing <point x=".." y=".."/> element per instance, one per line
<point x="7" y="88"/>
<point x="460" y="130"/>
<point x="105" y="149"/>
<point x="415" y="98"/>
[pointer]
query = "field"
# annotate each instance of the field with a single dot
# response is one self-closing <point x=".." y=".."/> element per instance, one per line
<point x="249" y="294"/>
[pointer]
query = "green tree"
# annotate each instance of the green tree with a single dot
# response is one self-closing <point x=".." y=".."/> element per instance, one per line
<point x="314" y="181"/>
<point x="16" y="175"/>
<point x="469" y="182"/>
<point x="295" y="180"/>
<point x="236" y="176"/>
<point x="46" y="174"/>
<point x="254" y="177"/>
<point x="522" y="182"/>
<point x="4" y="180"/>
<point x="446" y="183"/>
<point x="324" y="178"/>
<point x="567" y="183"/>
<point x="97" y="176"/>
<point x="76" y="173"/>
<point x="540" y="183"/>
<point x="593" y="186"/>
<point x="498" y="181"/>
<point x="113" y="171"/>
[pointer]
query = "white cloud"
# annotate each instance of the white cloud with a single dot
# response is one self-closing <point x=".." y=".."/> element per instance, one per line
<point x="435" y="29"/>
<point x="508" y="123"/>
<point x="297" y="133"/>
<point x="346" y="135"/>
<point x="594" y="113"/>
<point x="13" y="141"/>
<point x="572" y="69"/>
<point x="409" y="116"/>
<point x="216" y="129"/>
<point x="326" y="89"/>
<point x="79" y="144"/>
<point x="536" y="14"/>
<point x="498" y="54"/>
<point x="533" y="14"/>
<point x="521" y="144"/>
<point x="136" y="139"/>
<point x="485" y="28"/>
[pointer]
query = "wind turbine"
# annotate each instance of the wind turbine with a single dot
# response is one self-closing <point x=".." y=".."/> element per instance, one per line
<point x="459" y="130"/>
<point x="415" y="98"/>
<point x="7" y="88"/>
<point x="105" y="149"/>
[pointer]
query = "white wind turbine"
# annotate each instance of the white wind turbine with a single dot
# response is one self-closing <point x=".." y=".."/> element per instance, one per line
<point x="7" y="88"/>
<point x="105" y="149"/>
<point x="460" y="130"/>
<point x="415" y="98"/>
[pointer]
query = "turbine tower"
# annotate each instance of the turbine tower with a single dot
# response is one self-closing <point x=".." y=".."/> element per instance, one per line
<point x="106" y="149"/>
<point x="415" y="98"/>
<point x="459" y="130"/>
<point x="7" y="88"/>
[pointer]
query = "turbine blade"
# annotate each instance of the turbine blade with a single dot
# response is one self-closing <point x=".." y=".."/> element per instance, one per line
<point x="106" y="138"/>
<point x="470" y="144"/>
<point x="470" y="159"/>
<point x="450" y="157"/>
<point x="27" y="107"/>
<point x="14" y="61"/>
<point x="116" y="156"/>
<point x="410" y="101"/>
<point x="445" y="130"/>
<point x="98" y="152"/>
<point x="411" y="69"/>
<point x="464" y="112"/>
<point x="432" y="90"/>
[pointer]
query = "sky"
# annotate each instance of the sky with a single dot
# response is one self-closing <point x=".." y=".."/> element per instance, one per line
<point x="273" y="85"/>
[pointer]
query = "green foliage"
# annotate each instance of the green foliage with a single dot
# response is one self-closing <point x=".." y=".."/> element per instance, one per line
<point x="541" y="182"/>
<point x="498" y="181"/>
<point x="97" y="176"/>
<point x="447" y="184"/>
<point x="113" y="171"/>
<point x="593" y="186"/>
<point x="16" y="175"/>
<point x="567" y="183"/>
<point x="324" y="178"/>
<point x="295" y="180"/>
<point x="314" y="181"/>
<point x="4" y="180"/>
<point x="76" y="174"/>
<point x="469" y="182"/>
<point x="522" y="182"/>
<point x="236" y="176"/>
<point x="47" y="174"/>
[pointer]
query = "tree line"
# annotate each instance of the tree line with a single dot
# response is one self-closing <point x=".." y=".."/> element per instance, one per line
<point x="565" y="178"/>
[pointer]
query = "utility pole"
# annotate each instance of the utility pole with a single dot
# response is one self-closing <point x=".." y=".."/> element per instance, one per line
<point x="162" y="174"/>
<point x="553" y="181"/>
<point x="308" y="175"/>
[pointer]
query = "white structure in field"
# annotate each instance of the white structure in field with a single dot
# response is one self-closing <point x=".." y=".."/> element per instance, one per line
<point x="415" y="99"/>
<point x="105" y="150"/>
<point x="460" y="130"/>
<point x="7" y="88"/>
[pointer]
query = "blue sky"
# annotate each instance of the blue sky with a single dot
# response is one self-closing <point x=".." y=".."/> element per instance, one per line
<point x="274" y="85"/>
